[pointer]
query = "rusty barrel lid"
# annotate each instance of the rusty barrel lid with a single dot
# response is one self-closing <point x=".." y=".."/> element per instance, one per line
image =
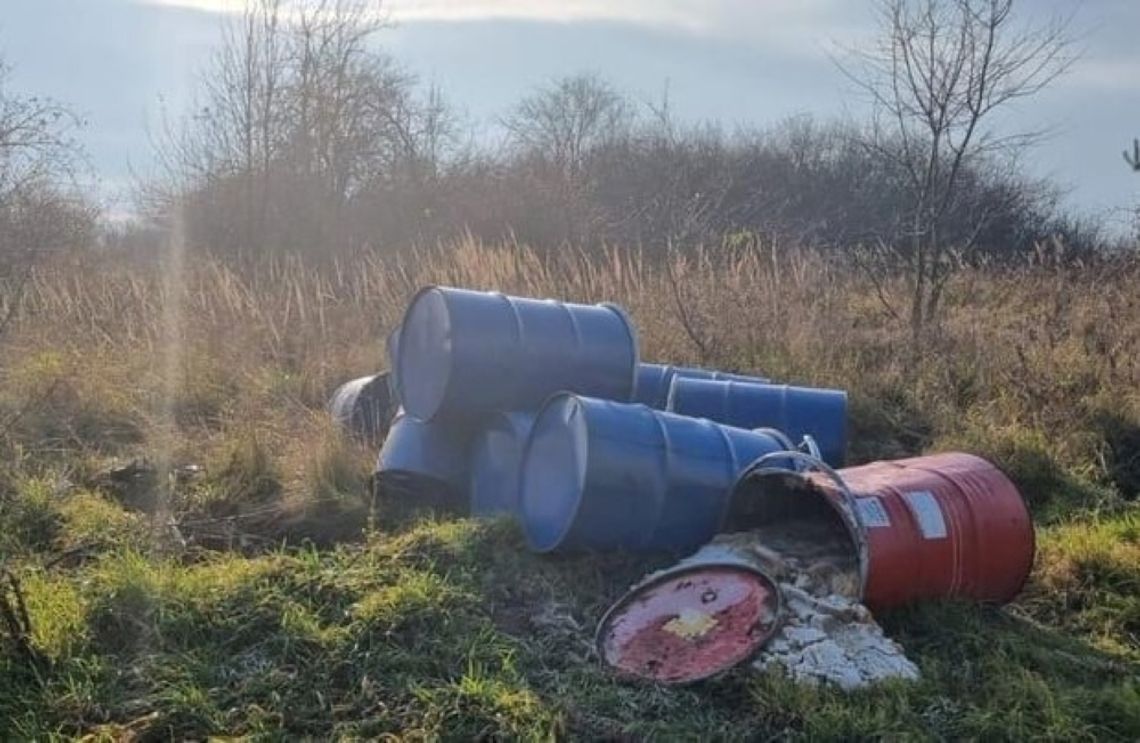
<point x="690" y="622"/>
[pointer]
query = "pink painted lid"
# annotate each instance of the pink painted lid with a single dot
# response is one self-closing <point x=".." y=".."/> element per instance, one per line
<point x="690" y="623"/>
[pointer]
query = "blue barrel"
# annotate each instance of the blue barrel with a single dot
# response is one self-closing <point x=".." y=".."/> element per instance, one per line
<point x="797" y="411"/>
<point x="392" y="345"/>
<point x="495" y="456"/>
<point x="463" y="352"/>
<point x="363" y="407"/>
<point x="598" y="474"/>
<point x="425" y="461"/>
<point x="653" y="381"/>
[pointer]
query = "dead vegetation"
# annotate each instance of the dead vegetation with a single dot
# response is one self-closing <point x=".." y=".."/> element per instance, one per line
<point x="205" y="557"/>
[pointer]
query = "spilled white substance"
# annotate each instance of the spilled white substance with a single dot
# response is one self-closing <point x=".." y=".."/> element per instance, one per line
<point x="826" y="634"/>
<point x="833" y="639"/>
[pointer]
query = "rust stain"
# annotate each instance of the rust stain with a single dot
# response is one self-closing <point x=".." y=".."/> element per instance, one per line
<point x="691" y="626"/>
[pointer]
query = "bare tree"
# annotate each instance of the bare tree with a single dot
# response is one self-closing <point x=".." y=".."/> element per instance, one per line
<point x="564" y="121"/>
<point x="940" y="71"/>
<point x="41" y="209"/>
<point x="557" y="130"/>
<point x="302" y="119"/>
<point x="1133" y="158"/>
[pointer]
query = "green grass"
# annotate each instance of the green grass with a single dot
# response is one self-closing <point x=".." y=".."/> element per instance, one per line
<point x="450" y="629"/>
<point x="269" y="596"/>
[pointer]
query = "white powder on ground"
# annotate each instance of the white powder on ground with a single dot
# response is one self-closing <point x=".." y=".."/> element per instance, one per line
<point x="833" y="639"/>
<point x="826" y="634"/>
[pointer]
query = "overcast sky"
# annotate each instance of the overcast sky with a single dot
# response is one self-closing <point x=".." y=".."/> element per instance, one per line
<point x="121" y="63"/>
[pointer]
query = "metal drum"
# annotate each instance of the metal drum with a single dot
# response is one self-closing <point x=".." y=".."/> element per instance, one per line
<point x="392" y="345"/>
<point x="797" y="411"/>
<point x="363" y="407"/>
<point x="654" y="380"/>
<point x="495" y="457"/>
<point x="940" y="526"/>
<point x="691" y="621"/>
<point x="425" y="461"/>
<point x="598" y="474"/>
<point x="463" y="352"/>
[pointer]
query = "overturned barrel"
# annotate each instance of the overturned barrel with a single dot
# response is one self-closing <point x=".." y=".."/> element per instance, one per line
<point x="603" y="475"/>
<point x="425" y="462"/>
<point x="495" y="456"/>
<point x="797" y="411"/>
<point x="464" y="352"/>
<point x="363" y="407"/>
<point x="941" y="526"/>
<point x="654" y="380"/>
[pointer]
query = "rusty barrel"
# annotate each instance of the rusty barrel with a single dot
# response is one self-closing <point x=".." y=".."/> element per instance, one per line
<point x="797" y="411"/>
<point x="427" y="462"/>
<point x="495" y="456"/>
<point x="597" y="474"/>
<point x="940" y="526"/>
<point x="654" y="381"/>
<point x="465" y="353"/>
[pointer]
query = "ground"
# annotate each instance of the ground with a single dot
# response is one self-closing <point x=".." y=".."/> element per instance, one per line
<point x="267" y="594"/>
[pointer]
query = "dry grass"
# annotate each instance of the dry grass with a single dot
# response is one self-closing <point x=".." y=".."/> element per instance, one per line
<point x="418" y="627"/>
<point x="1037" y="365"/>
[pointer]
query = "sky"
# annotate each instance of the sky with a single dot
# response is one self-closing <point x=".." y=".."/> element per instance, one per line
<point x="130" y="67"/>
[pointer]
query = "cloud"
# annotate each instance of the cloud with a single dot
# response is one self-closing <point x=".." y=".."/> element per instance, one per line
<point x="1106" y="74"/>
<point x="798" y="27"/>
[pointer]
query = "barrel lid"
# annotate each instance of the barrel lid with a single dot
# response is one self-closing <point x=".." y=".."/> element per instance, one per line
<point x="690" y="623"/>
<point x="553" y="472"/>
<point x="423" y="361"/>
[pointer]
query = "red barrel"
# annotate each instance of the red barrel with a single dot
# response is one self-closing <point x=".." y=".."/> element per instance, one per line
<point x="940" y="526"/>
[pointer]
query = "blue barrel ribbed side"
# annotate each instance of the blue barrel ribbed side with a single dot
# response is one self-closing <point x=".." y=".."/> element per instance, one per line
<point x="463" y="352"/>
<point x="654" y="380"/>
<point x="797" y="411"/>
<point x="495" y="457"/>
<point x="597" y="474"/>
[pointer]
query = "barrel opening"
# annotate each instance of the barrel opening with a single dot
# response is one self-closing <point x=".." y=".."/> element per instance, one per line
<point x="423" y="492"/>
<point x="794" y="516"/>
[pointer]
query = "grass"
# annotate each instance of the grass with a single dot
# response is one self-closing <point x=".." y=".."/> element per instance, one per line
<point x="267" y="596"/>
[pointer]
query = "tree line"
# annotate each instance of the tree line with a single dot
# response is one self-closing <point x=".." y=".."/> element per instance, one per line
<point x="307" y="138"/>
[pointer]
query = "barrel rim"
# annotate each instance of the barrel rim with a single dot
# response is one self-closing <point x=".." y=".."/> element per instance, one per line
<point x="1032" y="555"/>
<point x="666" y="379"/>
<point x="392" y="351"/>
<point x="580" y="476"/>
<point x="355" y="385"/>
<point x="402" y="344"/>
<point x="680" y="570"/>
<point x="635" y="344"/>
<point x="850" y="521"/>
<point x="1032" y="528"/>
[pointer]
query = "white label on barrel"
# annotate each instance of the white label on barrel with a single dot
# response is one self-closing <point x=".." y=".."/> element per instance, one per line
<point x="872" y="513"/>
<point x="928" y="513"/>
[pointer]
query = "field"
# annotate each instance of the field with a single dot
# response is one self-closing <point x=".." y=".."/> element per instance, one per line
<point x="199" y="555"/>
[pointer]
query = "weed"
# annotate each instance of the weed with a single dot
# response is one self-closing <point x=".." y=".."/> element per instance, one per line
<point x="284" y="615"/>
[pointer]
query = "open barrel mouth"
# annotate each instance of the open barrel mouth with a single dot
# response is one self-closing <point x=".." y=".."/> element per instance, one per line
<point x="796" y="515"/>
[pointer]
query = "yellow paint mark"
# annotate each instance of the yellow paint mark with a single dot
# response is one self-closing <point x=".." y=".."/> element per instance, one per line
<point x="690" y="623"/>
